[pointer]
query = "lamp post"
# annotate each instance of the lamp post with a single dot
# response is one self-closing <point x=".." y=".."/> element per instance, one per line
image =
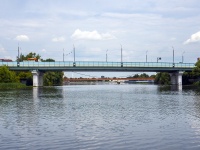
<point x="173" y="54"/>
<point x="146" y="55"/>
<point x="63" y="55"/>
<point x="158" y="58"/>
<point x="74" y="64"/>
<point x="182" y="56"/>
<point x="18" y="57"/>
<point x="106" y="55"/>
<point x="121" y="57"/>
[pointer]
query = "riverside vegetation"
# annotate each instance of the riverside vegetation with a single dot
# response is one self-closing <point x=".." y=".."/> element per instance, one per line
<point x="11" y="79"/>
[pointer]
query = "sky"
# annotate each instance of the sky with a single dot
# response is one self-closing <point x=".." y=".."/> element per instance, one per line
<point x="95" y="28"/>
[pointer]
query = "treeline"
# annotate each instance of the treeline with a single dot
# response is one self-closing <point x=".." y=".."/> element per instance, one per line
<point x="50" y="78"/>
<point x="143" y="75"/>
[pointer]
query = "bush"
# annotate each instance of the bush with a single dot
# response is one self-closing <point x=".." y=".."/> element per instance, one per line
<point x="8" y="86"/>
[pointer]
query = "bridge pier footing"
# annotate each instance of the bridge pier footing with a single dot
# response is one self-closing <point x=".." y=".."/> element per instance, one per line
<point x="176" y="78"/>
<point x="37" y="78"/>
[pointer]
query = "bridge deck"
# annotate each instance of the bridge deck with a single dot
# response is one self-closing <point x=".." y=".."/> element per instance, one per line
<point x="99" y="66"/>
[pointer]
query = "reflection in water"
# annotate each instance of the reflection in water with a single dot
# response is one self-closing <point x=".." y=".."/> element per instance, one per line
<point x="35" y="93"/>
<point x="170" y="88"/>
<point x="100" y="117"/>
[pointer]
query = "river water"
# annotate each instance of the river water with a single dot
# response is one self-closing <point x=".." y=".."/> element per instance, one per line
<point x="125" y="116"/>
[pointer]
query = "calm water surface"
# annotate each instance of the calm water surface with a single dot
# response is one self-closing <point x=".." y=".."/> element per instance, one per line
<point x="100" y="117"/>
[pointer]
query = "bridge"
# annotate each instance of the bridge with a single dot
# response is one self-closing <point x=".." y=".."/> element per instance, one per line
<point x="107" y="79"/>
<point x="38" y="68"/>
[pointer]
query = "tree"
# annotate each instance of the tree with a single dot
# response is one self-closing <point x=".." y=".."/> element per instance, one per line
<point x="52" y="77"/>
<point x="30" y="55"/>
<point x="196" y="73"/>
<point x="162" y="78"/>
<point x="136" y="76"/>
<point x="144" y="75"/>
<point x="48" y="60"/>
<point x="196" y="70"/>
<point x="7" y="76"/>
<point x="26" y="75"/>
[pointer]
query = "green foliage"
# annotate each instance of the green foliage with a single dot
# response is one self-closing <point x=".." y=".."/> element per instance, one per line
<point x="143" y="75"/>
<point x="188" y="78"/>
<point x="26" y="76"/>
<point x="196" y="74"/>
<point x="7" y="76"/>
<point x="49" y="60"/>
<point x="162" y="78"/>
<point x="196" y="70"/>
<point x="136" y="76"/>
<point x="53" y="78"/>
<point x="153" y="76"/>
<point x="8" y="86"/>
<point x="30" y="55"/>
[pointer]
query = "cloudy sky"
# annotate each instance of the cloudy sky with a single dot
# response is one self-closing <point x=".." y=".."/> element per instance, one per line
<point x="95" y="27"/>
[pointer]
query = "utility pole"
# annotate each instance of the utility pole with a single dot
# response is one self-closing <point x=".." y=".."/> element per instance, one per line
<point x="18" y="57"/>
<point x="158" y="58"/>
<point x="106" y="55"/>
<point x="182" y="56"/>
<point x="146" y="55"/>
<point x="74" y="64"/>
<point x="63" y="55"/>
<point x="121" y="57"/>
<point x="173" y="55"/>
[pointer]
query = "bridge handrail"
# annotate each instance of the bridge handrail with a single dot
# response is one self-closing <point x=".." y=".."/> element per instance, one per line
<point x="97" y="64"/>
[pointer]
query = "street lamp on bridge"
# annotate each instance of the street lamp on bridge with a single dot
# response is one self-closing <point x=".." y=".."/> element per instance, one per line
<point x="146" y="55"/>
<point x="182" y="56"/>
<point x="106" y="55"/>
<point x="18" y="57"/>
<point x="121" y="57"/>
<point x="63" y="55"/>
<point x="74" y="64"/>
<point x="158" y="58"/>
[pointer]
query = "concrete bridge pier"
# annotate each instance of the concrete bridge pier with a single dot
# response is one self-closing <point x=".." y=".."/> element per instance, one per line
<point x="37" y="78"/>
<point x="176" y="78"/>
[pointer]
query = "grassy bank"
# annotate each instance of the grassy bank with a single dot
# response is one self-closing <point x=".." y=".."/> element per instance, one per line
<point x="5" y="86"/>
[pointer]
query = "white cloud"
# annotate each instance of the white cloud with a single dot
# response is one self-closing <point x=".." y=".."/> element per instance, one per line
<point x="2" y="50"/>
<point x="91" y="35"/>
<point x="194" y="38"/>
<point x="44" y="50"/>
<point x="58" y="39"/>
<point x="22" y="38"/>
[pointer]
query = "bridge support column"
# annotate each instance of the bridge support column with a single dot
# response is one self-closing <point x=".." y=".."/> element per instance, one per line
<point x="176" y="78"/>
<point x="37" y="78"/>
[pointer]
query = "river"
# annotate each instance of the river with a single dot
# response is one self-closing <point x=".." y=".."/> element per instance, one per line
<point x="105" y="116"/>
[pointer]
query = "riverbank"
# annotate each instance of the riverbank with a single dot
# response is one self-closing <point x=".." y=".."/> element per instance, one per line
<point x="8" y="86"/>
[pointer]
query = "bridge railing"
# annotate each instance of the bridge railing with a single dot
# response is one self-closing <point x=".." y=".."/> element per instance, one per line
<point x="97" y="64"/>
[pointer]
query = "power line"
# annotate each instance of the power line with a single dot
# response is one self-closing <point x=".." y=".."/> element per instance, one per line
<point x="85" y="74"/>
